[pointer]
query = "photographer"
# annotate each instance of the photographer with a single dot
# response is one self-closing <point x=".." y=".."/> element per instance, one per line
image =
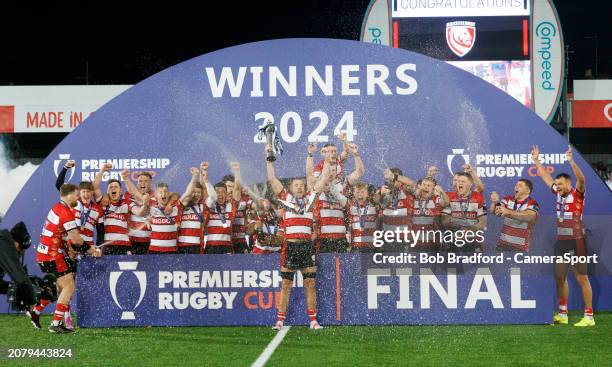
<point x="12" y="245"/>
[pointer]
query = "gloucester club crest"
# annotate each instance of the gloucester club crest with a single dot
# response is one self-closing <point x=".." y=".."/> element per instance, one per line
<point x="460" y="37"/>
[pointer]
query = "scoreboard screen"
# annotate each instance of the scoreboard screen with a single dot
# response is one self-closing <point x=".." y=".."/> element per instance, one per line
<point x="488" y="38"/>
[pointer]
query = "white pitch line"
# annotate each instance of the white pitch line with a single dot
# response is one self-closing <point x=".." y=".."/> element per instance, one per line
<point x="267" y="353"/>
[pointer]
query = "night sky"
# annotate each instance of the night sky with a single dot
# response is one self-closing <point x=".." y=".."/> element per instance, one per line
<point x="123" y="46"/>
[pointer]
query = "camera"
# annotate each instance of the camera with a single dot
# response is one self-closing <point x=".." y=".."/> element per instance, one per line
<point x="26" y="242"/>
<point x="43" y="288"/>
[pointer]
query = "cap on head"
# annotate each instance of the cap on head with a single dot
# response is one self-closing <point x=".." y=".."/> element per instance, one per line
<point x="20" y="235"/>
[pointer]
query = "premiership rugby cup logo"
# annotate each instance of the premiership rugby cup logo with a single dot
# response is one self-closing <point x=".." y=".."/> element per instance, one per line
<point x="460" y="37"/>
<point x="142" y="285"/>
<point x="450" y="157"/>
<point x="57" y="166"/>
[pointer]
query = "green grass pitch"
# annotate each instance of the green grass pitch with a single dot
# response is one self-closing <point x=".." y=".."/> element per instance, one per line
<point x="506" y="345"/>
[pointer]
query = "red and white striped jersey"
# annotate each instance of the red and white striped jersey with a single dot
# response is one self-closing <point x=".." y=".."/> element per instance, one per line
<point x="569" y="214"/>
<point x="318" y="168"/>
<point x="164" y="228"/>
<point x="398" y="211"/>
<point x="239" y="222"/>
<point x="297" y="224"/>
<point x="87" y="217"/>
<point x="116" y="223"/>
<point x="139" y="229"/>
<point x="54" y="236"/>
<point x="191" y="232"/>
<point x="424" y="215"/>
<point x="219" y="223"/>
<point x="516" y="234"/>
<point x="331" y="217"/>
<point x="365" y="219"/>
<point x="465" y="212"/>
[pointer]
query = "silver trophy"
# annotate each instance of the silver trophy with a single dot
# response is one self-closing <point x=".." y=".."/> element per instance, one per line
<point x="268" y="130"/>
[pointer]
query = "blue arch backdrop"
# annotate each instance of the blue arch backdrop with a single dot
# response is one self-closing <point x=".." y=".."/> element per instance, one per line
<point x="441" y="115"/>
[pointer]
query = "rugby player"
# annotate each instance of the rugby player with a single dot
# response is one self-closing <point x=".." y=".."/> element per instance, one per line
<point x="139" y="229"/>
<point x="570" y="234"/>
<point x="298" y="251"/>
<point x="220" y="212"/>
<point x="330" y="207"/>
<point x="191" y="229"/>
<point x="245" y="203"/>
<point x="520" y="212"/>
<point x="466" y="212"/>
<point x="165" y="223"/>
<point x="396" y="201"/>
<point x="116" y="212"/>
<point x="330" y="156"/>
<point x="60" y="235"/>
<point x="364" y="218"/>
<point x="429" y="200"/>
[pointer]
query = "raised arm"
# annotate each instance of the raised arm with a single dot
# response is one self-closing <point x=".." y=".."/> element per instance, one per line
<point x="211" y="194"/>
<point x="444" y="200"/>
<point x="143" y="210"/>
<point x="345" y="147"/>
<point x="237" y="193"/>
<point x="129" y="185"/>
<point x="494" y="201"/>
<point x="195" y="176"/>
<point x="580" y="179"/>
<point x="542" y="172"/>
<point x="406" y="181"/>
<point x="275" y="183"/>
<point x="310" y="177"/>
<point x="359" y="171"/>
<point x="98" y="181"/>
<point x="324" y="180"/>
<point x="392" y="177"/>
<point x="467" y="168"/>
<point x="61" y="178"/>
